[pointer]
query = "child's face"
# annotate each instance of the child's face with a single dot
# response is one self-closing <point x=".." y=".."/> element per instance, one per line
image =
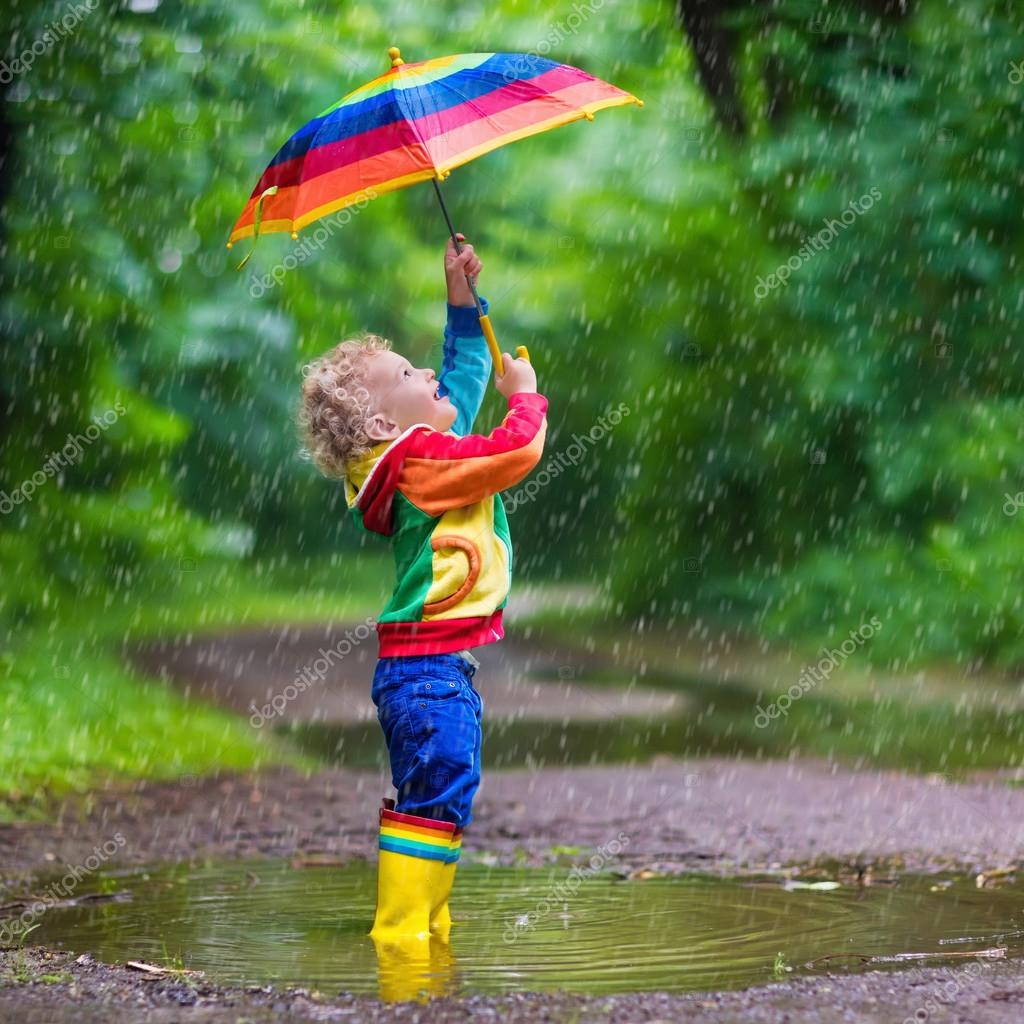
<point x="403" y="395"/>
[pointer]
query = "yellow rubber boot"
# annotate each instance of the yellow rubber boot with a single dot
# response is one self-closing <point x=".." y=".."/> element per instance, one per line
<point x="440" y="916"/>
<point x="413" y="859"/>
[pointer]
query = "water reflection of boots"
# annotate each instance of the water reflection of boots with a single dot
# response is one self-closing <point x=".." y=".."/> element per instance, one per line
<point x="442" y="968"/>
<point x="414" y="968"/>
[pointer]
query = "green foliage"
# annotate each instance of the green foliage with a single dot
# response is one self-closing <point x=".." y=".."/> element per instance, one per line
<point x="796" y="462"/>
<point x="843" y="445"/>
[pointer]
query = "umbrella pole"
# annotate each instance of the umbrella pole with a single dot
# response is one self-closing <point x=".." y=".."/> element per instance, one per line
<point x="485" y="323"/>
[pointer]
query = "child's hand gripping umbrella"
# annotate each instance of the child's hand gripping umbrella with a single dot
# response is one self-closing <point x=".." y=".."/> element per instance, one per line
<point x="418" y="121"/>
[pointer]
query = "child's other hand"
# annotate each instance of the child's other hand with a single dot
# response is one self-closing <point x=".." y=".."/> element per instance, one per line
<point x="519" y="376"/>
<point x="456" y="267"/>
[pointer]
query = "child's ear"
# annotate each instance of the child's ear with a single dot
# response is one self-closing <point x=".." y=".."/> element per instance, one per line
<point x="380" y="428"/>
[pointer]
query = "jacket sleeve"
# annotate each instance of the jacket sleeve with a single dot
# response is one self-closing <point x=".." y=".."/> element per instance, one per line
<point x="465" y="364"/>
<point x="441" y="472"/>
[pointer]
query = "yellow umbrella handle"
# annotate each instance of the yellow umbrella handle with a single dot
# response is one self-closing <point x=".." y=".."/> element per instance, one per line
<point x="492" y="345"/>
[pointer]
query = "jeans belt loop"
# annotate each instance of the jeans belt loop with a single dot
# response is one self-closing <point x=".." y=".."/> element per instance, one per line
<point x="469" y="657"/>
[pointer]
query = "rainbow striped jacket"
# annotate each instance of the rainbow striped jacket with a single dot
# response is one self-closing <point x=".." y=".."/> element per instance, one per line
<point x="436" y="496"/>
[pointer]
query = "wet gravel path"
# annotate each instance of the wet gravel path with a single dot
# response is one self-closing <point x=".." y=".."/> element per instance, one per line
<point x="711" y="815"/>
<point x="82" y="991"/>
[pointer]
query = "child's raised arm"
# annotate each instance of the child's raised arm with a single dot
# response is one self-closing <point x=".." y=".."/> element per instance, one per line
<point x="465" y="361"/>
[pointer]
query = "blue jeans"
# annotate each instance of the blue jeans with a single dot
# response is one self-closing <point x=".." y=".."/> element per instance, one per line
<point x="431" y="715"/>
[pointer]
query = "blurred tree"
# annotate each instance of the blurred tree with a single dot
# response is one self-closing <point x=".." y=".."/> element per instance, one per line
<point x="718" y="29"/>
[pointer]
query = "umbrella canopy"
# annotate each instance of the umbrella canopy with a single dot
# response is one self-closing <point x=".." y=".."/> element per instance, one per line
<point x="416" y="122"/>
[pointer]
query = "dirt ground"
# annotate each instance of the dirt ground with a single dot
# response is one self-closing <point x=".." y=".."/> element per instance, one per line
<point x="718" y="815"/>
<point x="37" y="987"/>
<point x="330" y="668"/>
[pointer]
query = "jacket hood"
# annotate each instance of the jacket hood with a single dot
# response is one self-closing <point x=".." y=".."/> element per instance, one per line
<point x="371" y="479"/>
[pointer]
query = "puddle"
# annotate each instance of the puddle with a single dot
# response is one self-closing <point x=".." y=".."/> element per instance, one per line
<point x="720" y="721"/>
<point x="260" y="922"/>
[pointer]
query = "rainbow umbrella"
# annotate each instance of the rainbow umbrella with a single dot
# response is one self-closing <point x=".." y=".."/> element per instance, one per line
<point x="414" y="122"/>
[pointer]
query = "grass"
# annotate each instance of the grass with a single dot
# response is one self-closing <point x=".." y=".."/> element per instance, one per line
<point x="74" y="712"/>
<point x="21" y="974"/>
<point x="779" y="967"/>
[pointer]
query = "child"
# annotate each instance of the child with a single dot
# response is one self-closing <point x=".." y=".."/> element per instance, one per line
<point x="400" y="438"/>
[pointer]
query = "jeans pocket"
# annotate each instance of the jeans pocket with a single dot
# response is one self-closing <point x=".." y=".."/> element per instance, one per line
<point x="441" y="714"/>
<point x="437" y="687"/>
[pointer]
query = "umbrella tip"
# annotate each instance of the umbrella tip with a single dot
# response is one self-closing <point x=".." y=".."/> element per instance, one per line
<point x="396" y="56"/>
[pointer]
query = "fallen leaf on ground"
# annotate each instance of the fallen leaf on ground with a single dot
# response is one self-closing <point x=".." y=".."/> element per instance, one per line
<point x="997" y="876"/>
<point x="139" y="965"/>
<point x="317" y="862"/>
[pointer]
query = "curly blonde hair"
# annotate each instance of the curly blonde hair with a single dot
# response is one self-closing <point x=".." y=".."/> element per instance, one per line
<point x="336" y="404"/>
